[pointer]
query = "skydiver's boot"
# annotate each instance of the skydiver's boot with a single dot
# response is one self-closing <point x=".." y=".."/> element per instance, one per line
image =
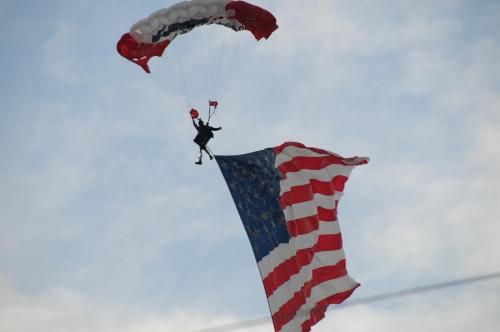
<point x="199" y="160"/>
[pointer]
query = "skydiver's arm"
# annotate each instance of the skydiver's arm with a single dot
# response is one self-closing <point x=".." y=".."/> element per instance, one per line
<point x="195" y="125"/>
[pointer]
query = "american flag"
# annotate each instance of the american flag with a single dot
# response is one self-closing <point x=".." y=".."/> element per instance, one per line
<point x="287" y="198"/>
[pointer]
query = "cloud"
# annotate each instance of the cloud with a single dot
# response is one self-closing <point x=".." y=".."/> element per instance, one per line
<point x="60" y="309"/>
<point x="61" y="55"/>
<point x="435" y="220"/>
<point x="68" y="310"/>
<point x="439" y="312"/>
<point x="99" y="196"/>
<point x="333" y="28"/>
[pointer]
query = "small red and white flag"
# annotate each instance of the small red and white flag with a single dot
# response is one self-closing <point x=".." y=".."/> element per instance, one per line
<point x="194" y="113"/>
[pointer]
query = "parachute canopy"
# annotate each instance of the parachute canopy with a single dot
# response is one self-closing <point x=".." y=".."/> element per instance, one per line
<point x="149" y="37"/>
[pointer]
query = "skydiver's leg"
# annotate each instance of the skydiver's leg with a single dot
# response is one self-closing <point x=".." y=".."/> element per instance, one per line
<point x="207" y="152"/>
<point x="199" y="159"/>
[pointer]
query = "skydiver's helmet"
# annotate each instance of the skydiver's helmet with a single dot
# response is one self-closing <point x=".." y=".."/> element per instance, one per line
<point x="200" y="122"/>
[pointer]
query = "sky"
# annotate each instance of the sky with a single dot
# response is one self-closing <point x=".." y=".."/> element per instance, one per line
<point x="107" y="225"/>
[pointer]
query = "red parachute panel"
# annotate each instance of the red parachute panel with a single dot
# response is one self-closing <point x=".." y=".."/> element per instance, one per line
<point x="140" y="53"/>
<point x="258" y="21"/>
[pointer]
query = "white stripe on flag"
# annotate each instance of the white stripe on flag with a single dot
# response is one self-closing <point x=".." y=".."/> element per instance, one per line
<point x="305" y="176"/>
<point x="287" y="250"/>
<point x="318" y="293"/>
<point x="283" y="293"/>
<point x="310" y="208"/>
<point x="291" y="152"/>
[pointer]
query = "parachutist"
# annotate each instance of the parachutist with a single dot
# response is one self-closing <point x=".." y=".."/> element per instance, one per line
<point x="205" y="133"/>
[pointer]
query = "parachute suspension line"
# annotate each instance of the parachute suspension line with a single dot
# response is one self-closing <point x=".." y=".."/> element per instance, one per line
<point x="209" y="150"/>
<point x="220" y="66"/>
<point x="216" y="45"/>
<point x="165" y="92"/>
<point x="167" y="86"/>
<point x="211" y="43"/>
<point x="210" y="68"/>
<point x="226" y="78"/>
<point x="214" y="114"/>
<point x="205" y="69"/>
<point x="203" y="54"/>
<point x="243" y="49"/>
<point x="231" y="42"/>
<point x="180" y="65"/>
<point x="211" y="113"/>
<point x="232" y="60"/>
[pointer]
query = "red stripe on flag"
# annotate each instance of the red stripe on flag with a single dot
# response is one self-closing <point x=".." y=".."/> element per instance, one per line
<point x="298" y="164"/>
<point x="318" y="312"/>
<point x="304" y="193"/>
<point x="289" y="310"/>
<point x="283" y="146"/>
<point x="330" y="242"/>
<point x="310" y="224"/>
<point x="284" y="271"/>
<point x="353" y="161"/>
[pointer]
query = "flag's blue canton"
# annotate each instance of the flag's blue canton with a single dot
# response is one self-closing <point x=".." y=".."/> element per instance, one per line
<point x="254" y="184"/>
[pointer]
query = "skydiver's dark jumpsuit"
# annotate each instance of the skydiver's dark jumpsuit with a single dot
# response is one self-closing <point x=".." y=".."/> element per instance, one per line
<point x="205" y="133"/>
